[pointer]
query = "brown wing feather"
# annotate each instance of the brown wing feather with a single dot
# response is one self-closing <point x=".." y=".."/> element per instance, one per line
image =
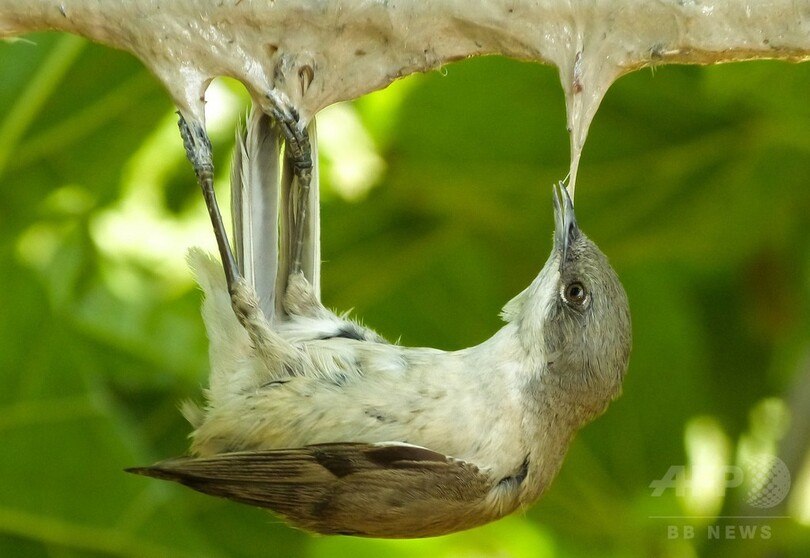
<point x="376" y="490"/>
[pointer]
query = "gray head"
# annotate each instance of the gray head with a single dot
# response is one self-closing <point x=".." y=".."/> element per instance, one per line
<point x="576" y="313"/>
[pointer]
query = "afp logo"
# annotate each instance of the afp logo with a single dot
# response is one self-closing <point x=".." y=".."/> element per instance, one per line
<point x="769" y="481"/>
<point x="767" y="478"/>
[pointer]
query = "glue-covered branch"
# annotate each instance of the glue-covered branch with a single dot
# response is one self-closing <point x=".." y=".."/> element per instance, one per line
<point x="350" y="47"/>
<point x="318" y="52"/>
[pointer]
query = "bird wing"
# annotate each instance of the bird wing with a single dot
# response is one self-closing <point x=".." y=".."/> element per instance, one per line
<point x="377" y="490"/>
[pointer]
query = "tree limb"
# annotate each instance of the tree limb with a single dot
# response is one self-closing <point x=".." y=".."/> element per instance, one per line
<point x="317" y="52"/>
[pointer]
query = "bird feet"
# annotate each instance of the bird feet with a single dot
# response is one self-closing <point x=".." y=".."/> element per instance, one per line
<point x="198" y="150"/>
<point x="298" y="154"/>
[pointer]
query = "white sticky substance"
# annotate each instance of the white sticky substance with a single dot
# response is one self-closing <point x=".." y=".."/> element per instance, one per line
<point x="353" y="47"/>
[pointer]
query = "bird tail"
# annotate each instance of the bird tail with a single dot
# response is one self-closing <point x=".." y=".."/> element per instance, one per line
<point x="264" y="193"/>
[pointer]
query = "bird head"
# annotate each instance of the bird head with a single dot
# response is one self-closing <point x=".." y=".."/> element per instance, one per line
<point x="574" y="319"/>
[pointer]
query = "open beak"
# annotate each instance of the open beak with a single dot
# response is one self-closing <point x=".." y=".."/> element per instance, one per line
<point x="565" y="221"/>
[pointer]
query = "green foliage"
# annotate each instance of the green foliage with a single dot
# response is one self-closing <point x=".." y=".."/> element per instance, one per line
<point x="693" y="181"/>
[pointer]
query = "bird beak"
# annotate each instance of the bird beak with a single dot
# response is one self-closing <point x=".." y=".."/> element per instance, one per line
<point x="565" y="229"/>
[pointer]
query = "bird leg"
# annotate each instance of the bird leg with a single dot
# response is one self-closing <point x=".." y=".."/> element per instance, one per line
<point x="198" y="150"/>
<point x="244" y="300"/>
<point x="298" y="154"/>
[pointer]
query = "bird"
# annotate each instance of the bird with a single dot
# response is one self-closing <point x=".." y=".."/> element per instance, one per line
<point x="318" y="418"/>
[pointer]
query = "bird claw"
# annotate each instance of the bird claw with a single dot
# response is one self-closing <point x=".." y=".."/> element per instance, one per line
<point x="199" y="152"/>
<point x="298" y="153"/>
<point x="299" y="149"/>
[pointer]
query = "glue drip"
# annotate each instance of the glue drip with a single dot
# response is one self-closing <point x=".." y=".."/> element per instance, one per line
<point x="585" y="76"/>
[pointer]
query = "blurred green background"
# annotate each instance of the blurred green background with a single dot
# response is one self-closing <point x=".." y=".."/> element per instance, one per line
<point x="436" y="211"/>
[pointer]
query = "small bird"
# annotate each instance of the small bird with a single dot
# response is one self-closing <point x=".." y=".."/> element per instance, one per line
<point x="321" y="420"/>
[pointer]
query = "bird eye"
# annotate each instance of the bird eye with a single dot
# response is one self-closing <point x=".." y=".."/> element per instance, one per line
<point x="575" y="293"/>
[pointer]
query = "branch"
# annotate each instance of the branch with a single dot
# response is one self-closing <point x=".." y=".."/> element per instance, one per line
<point x="318" y="52"/>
